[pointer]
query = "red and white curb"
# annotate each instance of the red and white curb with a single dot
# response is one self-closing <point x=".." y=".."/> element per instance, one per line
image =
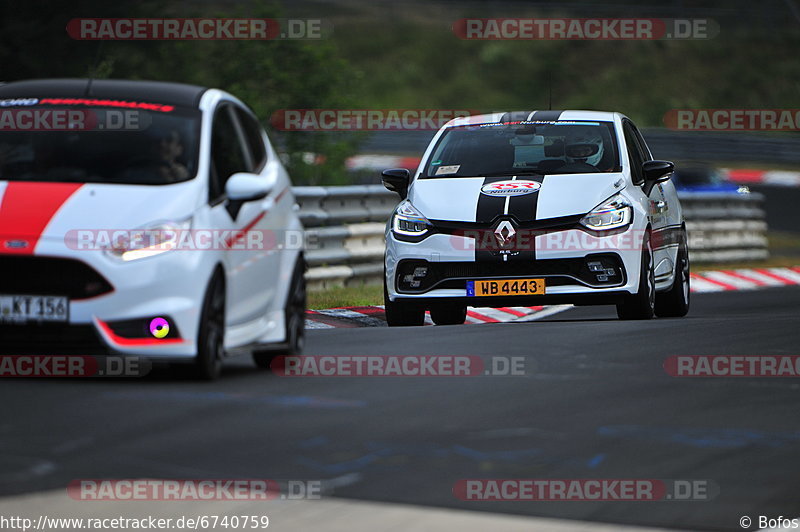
<point x="744" y="279"/>
<point x="710" y="281"/>
<point x="373" y="316"/>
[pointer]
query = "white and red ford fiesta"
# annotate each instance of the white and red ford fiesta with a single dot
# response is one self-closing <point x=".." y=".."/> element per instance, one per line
<point x="144" y="218"/>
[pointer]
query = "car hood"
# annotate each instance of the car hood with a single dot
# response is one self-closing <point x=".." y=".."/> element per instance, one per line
<point x="552" y="196"/>
<point x="31" y="212"/>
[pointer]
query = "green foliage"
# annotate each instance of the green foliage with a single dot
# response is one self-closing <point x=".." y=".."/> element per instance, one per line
<point x="421" y="63"/>
<point x="267" y="75"/>
<point x="405" y="55"/>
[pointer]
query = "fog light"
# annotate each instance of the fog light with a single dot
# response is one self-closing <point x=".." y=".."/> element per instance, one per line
<point x="159" y="328"/>
<point x="411" y="276"/>
<point x="595" y="266"/>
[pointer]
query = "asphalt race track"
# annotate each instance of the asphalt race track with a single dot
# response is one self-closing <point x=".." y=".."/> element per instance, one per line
<point x="595" y="403"/>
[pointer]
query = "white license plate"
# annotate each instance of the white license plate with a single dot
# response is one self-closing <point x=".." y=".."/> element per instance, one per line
<point x="25" y="309"/>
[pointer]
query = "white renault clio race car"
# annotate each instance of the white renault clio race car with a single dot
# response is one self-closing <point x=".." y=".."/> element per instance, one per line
<point x="531" y="208"/>
<point x="144" y="218"/>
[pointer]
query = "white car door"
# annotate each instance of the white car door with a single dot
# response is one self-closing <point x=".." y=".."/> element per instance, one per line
<point x="638" y="153"/>
<point x="250" y="285"/>
<point x="659" y="206"/>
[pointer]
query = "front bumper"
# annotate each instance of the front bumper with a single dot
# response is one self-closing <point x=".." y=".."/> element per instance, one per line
<point x="567" y="260"/>
<point x="170" y="285"/>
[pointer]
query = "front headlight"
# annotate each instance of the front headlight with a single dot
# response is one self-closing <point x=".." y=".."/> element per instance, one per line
<point x="612" y="214"/>
<point x="408" y="221"/>
<point x="147" y="242"/>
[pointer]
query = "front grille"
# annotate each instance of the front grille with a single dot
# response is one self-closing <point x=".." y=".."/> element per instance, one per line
<point x="416" y="276"/>
<point x="50" y="339"/>
<point x="30" y="275"/>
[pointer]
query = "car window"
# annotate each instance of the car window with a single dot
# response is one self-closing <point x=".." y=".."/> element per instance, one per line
<point x="635" y="155"/>
<point x="253" y="137"/>
<point x="642" y="144"/>
<point x="110" y="145"/>
<point x="227" y="152"/>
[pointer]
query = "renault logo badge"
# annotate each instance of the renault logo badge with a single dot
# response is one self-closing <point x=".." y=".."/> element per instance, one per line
<point x="504" y="232"/>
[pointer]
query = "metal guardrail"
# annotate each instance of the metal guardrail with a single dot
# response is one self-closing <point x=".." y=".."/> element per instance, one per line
<point x="725" y="227"/>
<point x="345" y="229"/>
<point x="345" y="232"/>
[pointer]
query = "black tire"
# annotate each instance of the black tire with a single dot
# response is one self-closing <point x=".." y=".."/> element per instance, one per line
<point x="641" y="305"/>
<point x="295" y="321"/>
<point x="675" y="302"/>
<point x="400" y="313"/>
<point x="449" y="314"/>
<point x="211" y="336"/>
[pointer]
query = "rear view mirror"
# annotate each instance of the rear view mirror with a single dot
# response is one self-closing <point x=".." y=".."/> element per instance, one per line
<point x="397" y="180"/>
<point x="243" y="186"/>
<point x="657" y="171"/>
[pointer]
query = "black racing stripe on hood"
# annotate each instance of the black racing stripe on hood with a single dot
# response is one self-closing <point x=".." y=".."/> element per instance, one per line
<point x="487" y="210"/>
<point x="489" y="207"/>
<point x="546" y="116"/>
<point x="490" y="210"/>
<point x="523" y="209"/>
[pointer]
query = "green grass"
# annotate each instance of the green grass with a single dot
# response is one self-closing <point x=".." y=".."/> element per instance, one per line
<point x="348" y="296"/>
<point x="782" y="242"/>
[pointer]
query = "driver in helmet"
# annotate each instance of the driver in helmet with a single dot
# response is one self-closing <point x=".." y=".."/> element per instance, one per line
<point x="583" y="149"/>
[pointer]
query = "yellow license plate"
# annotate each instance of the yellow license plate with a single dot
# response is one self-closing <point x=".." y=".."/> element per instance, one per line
<point x="506" y="287"/>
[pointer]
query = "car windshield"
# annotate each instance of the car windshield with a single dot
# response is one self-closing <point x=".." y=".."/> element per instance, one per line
<point x="513" y="148"/>
<point x="155" y="145"/>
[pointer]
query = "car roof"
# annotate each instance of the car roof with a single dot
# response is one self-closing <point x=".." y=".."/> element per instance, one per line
<point x="178" y="94"/>
<point x="535" y="116"/>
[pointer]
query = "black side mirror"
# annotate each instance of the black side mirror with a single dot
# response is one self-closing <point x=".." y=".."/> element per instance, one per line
<point x="397" y="180"/>
<point x="656" y="172"/>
